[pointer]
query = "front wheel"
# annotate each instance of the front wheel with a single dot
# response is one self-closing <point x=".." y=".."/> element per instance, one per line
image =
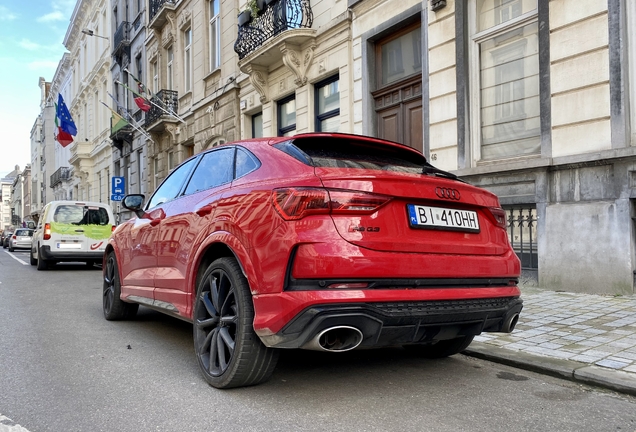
<point x="442" y="348"/>
<point x="114" y="308"/>
<point x="11" y="249"/>
<point x="228" y="351"/>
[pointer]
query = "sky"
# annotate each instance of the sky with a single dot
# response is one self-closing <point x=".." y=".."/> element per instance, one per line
<point x="31" y="46"/>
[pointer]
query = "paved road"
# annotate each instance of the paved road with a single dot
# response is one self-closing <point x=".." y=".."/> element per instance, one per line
<point x="64" y="368"/>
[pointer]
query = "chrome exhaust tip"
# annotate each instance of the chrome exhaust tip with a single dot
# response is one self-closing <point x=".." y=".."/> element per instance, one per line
<point x="336" y="339"/>
<point x="510" y="323"/>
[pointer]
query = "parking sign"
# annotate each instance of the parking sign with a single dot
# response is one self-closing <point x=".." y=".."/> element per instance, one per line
<point x="118" y="188"/>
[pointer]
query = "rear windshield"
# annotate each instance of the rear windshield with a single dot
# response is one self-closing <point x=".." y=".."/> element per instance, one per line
<point x="352" y="153"/>
<point x="81" y="215"/>
<point x="24" y="233"/>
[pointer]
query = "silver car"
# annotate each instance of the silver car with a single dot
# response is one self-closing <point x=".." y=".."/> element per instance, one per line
<point x="22" y="238"/>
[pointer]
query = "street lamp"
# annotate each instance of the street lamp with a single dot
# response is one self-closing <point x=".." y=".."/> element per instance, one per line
<point x="90" y="33"/>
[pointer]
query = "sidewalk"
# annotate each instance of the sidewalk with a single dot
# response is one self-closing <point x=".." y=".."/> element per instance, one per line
<point x="581" y="337"/>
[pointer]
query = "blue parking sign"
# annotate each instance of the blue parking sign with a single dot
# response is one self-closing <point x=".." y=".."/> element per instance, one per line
<point x="118" y="186"/>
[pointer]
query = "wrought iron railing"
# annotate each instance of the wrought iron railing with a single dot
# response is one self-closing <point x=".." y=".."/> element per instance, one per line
<point x="156" y="5"/>
<point x="63" y="173"/>
<point x="165" y="102"/>
<point x="522" y="232"/>
<point x="275" y="18"/>
<point x="122" y="35"/>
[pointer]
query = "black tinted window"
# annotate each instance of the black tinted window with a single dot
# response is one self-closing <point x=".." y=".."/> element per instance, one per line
<point x="172" y="185"/>
<point x="80" y="215"/>
<point x="352" y="153"/>
<point x="215" y="169"/>
<point x="246" y="162"/>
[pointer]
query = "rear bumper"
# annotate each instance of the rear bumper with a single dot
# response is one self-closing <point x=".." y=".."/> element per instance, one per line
<point x="49" y="255"/>
<point x="409" y="316"/>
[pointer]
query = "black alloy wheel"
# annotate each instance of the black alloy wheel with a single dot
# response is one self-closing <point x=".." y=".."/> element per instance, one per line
<point x="114" y="308"/>
<point x="228" y="351"/>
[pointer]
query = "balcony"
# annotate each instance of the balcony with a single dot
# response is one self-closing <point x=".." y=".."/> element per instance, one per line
<point x="62" y="174"/>
<point x="156" y="118"/>
<point x="159" y="11"/>
<point x="121" y="41"/>
<point x="275" y="18"/>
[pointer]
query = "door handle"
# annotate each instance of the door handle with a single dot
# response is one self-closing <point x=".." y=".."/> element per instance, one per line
<point x="205" y="210"/>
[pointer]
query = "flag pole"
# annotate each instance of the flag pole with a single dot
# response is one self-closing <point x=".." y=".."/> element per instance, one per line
<point x="170" y="113"/>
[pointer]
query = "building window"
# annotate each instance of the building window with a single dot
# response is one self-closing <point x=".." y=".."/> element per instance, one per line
<point x="140" y="71"/>
<point x="400" y="56"/>
<point x="155" y="77"/>
<point x="328" y="105"/>
<point x="187" y="59"/>
<point x="215" y="35"/>
<point x="170" y="69"/>
<point x="506" y="53"/>
<point x="257" y="125"/>
<point x="287" y="116"/>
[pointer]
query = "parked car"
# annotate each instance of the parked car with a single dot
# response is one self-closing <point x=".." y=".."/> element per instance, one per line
<point x="72" y="231"/>
<point x="21" y="239"/>
<point x="320" y="241"/>
<point x="5" y="239"/>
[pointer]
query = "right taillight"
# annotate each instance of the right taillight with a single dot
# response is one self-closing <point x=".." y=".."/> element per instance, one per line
<point x="297" y="203"/>
<point x="47" y="231"/>
<point x="499" y="216"/>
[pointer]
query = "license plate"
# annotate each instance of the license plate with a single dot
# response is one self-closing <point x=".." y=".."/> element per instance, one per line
<point x="442" y="218"/>
<point x="69" y="246"/>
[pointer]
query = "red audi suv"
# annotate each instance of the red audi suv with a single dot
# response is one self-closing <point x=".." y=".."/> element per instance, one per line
<point x="318" y="241"/>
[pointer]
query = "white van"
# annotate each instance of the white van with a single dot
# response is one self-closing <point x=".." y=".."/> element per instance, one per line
<point x="72" y="231"/>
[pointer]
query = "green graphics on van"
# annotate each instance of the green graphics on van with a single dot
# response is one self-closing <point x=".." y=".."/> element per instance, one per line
<point x="96" y="232"/>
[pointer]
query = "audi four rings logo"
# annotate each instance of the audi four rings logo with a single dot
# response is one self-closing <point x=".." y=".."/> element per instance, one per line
<point x="447" y="193"/>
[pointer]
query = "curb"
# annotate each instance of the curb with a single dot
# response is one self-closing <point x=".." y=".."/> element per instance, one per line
<point x="620" y="381"/>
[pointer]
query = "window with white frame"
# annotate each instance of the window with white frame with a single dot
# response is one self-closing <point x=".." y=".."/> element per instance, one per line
<point x="328" y="105"/>
<point x="215" y="35"/>
<point x="155" y="77"/>
<point x="287" y="116"/>
<point x="170" y="69"/>
<point x="505" y="52"/>
<point x="187" y="59"/>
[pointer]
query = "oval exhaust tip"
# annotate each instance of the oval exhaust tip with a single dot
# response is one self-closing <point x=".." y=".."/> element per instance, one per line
<point x="336" y="339"/>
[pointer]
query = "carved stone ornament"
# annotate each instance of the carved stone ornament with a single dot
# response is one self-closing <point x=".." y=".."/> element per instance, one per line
<point x="291" y="58"/>
<point x="258" y="78"/>
<point x="172" y="130"/>
<point x="152" y="53"/>
<point x="184" y="18"/>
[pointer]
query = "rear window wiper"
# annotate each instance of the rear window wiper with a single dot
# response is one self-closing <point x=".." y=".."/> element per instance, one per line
<point x="430" y="169"/>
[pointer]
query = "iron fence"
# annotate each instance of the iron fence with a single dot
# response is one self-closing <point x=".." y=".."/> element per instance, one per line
<point x="522" y="233"/>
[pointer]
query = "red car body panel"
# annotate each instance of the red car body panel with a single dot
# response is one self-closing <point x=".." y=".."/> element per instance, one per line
<point x="160" y="254"/>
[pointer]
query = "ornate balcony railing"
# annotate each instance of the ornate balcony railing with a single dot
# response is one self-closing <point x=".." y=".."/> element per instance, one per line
<point x="122" y="35"/>
<point x="63" y="173"/>
<point x="156" y="5"/>
<point x="166" y="99"/>
<point x="275" y="18"/>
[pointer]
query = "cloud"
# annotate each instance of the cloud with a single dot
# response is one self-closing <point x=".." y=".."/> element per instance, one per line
<point x="6" y="14"/>
<point x="28" y="45"/>
<point x="53" y="16"/>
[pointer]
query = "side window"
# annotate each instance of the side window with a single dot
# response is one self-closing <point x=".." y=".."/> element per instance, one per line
<point x="215" y="169"/>
<point x="172" y="185"/>
<point x="246" y="162"/>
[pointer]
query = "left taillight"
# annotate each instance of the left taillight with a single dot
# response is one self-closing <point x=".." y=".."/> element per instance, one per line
<point x="297" y="203"/>
<point x="113" y="228"/>
<point x="47" y="231"/>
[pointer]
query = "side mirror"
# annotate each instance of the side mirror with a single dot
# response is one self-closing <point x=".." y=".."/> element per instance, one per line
<point x="134" y="203"/>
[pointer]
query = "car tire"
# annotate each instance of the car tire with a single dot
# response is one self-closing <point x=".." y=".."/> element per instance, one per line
<point x="114" y="308"/>
<point x="442" y="348"/>
<point x="11" y="249"/>
<point x="32" y="260"/>
<point x="228" y="351"/>
<point x="42" y="264"/>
